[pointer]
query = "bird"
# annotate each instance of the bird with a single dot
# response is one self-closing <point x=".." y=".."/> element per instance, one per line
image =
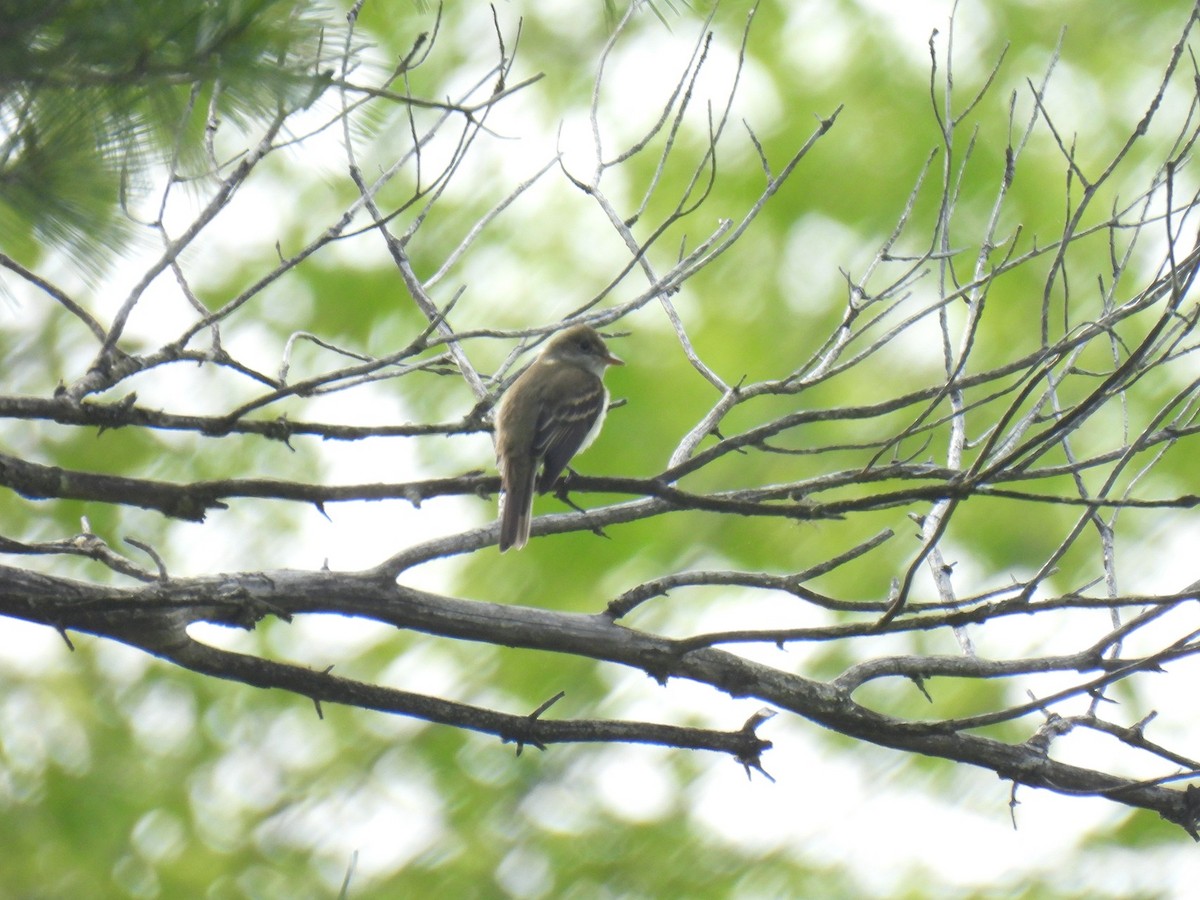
<point x="552" y="411"/>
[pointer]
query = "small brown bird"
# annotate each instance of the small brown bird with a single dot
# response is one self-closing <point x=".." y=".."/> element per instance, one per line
<point x="550" y="413"/>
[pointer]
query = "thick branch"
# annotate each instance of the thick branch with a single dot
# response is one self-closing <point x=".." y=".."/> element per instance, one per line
<point x="155" y="618"/>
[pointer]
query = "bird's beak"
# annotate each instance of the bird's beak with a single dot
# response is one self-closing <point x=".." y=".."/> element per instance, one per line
<point x="613" y="360"/>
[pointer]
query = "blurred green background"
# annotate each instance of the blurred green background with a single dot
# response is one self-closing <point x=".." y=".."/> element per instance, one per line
<point x="120" y="776"/>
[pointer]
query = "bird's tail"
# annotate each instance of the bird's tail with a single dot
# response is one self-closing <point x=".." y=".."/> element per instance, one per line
<point x="516" y="508"/>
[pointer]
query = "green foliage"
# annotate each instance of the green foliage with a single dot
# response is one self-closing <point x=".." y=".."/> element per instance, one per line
<point x="94" y="93"/>
<point x="253" y="795"/>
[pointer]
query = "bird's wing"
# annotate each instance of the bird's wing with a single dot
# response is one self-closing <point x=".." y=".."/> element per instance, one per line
<point x="564" y="427"/>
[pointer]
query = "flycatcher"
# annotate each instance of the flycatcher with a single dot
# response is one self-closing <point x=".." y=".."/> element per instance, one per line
<point x="550" y="413"/>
